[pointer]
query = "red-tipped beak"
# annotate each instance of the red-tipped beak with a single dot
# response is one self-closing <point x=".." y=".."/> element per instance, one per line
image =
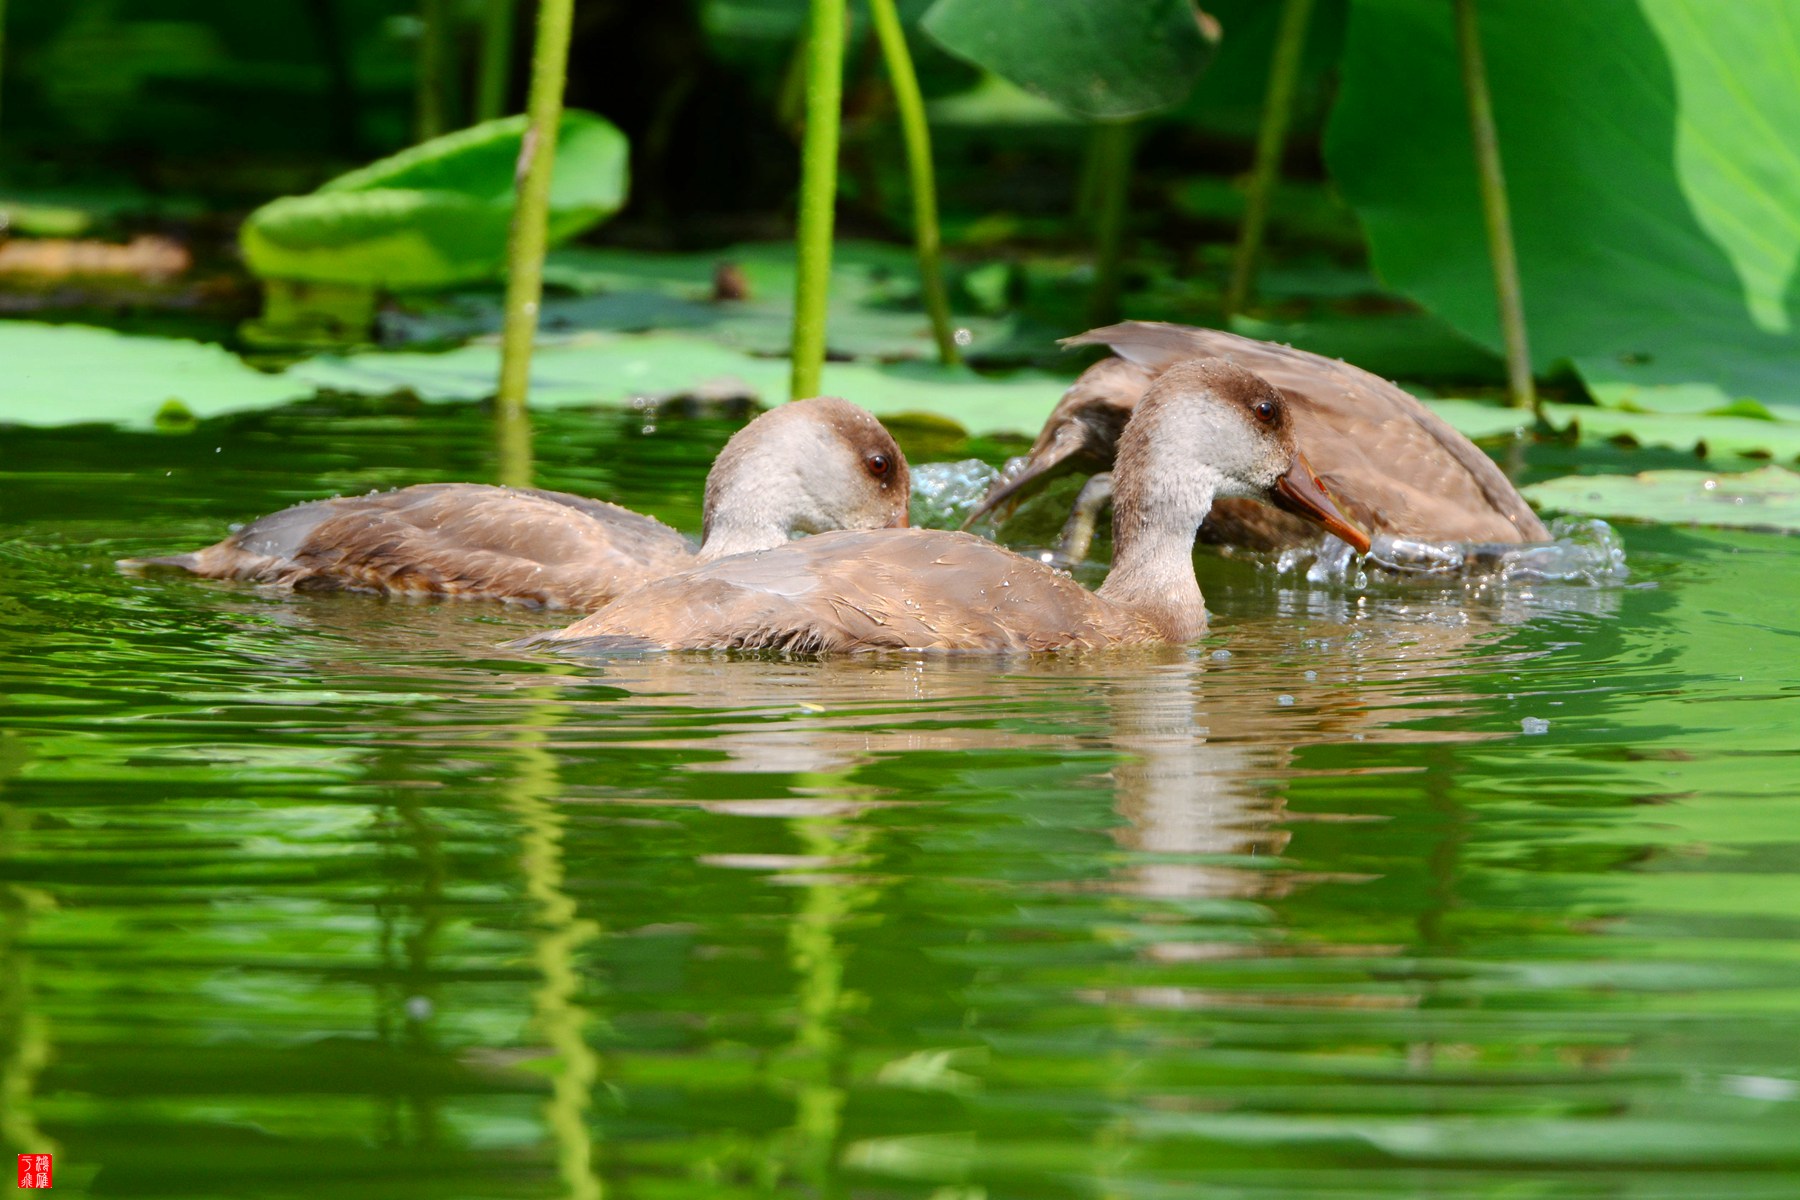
<point x="1301" y="493"/>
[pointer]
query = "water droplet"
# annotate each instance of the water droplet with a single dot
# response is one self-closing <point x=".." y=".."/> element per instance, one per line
<point x="1285" y="700"/>
<point x="962" y="337"/>
<point x="1532" y="726"/>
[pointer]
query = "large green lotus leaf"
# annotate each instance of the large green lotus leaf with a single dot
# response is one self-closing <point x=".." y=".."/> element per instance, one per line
<point x="1101" y="59"/>
<point x="1764" y="499"/>
<point x="1712" y="435"/>
<point x="71" y="374"/>
<point x="438" y="214"/>
<point x="1652" y="154"/>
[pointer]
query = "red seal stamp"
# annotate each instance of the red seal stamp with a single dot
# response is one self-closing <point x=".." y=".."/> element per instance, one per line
<point x="34" y="1170"/>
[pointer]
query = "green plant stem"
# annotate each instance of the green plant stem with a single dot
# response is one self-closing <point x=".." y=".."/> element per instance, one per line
<point x="525" y="247"/>
<point x="497" y="17"/>
<point x="513" y="465"/>
<point x="818" y="192"/>
<point x="1115" y="143"/>
<point x="917" y="134"/>
<point x="1271" y="138"/>
<point x="2" y="45"/>
<point x="431" y="112"/>
<point x="1494" y="208"/>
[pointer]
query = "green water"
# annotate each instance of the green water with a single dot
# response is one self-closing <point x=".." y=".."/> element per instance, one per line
<point x="328" y="896"/>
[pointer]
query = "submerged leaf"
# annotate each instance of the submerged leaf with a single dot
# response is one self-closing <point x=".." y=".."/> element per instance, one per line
<point x="1765" y="499"/>
<point x="437" y="214"/>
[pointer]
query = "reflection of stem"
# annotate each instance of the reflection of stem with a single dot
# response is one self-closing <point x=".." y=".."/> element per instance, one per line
<point x="818" y="960"/>
<point x="917" y="135"/>
<point x="1507" y="291"/>
<point x="496" y="58"/>
<point x="537" y="156"/>
<point x="24" y="1035"/>
<point x="1278" y="105"/>
<point x="560" y="1017"/>
<point x="1114" y="144"/>
<point x="512" y="446"/>
<point x="818" y="192"/>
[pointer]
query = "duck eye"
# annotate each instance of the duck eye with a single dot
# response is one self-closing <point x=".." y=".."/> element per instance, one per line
<point x="1265" y="410"/>
<point x="879" y="465"/>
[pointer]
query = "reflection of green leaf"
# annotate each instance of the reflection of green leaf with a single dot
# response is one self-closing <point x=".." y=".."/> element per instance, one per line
<point x="1653" y="157"/>
<point x="69" y="374"/>
<point x="1764" y="499"/>
<point x="1101" y="59"/>
<point x="436" y="214"/>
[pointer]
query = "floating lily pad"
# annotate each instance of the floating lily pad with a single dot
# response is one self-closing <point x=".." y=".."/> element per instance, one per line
<point x="1764" y="499"/>
<point x="1711" y="435"/>
<point x="1652" y="153"/>
<point x="72" y="374"/>
<point x="601" y="369"/>
<point x="876" y="304"/>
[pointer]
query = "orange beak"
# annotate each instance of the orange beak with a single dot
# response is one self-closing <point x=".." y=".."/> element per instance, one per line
<point x="1301" y="493"/>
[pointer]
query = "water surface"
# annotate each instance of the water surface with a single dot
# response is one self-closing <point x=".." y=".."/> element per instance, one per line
<point x="1392" y="893"/>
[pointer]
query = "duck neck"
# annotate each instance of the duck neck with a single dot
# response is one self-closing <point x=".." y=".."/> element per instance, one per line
<point x="1153" y="551"/>
<point x="741" y="530"/>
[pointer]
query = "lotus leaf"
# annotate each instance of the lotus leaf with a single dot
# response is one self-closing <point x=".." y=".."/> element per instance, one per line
<point x="1652" y="155"/>
<point x="437" y="214"/>
<point x="1764" y="499"/>
<point x="1107" y="60"/>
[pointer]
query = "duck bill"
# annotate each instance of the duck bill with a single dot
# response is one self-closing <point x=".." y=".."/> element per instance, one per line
<point x="1042" y="467"/>
<point x="1301" y="493"/>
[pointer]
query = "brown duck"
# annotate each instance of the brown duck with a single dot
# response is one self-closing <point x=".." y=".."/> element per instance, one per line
<point x="1202" y="430"/>
<point x="805" y="467"/>
<point x="1393" y="465"/>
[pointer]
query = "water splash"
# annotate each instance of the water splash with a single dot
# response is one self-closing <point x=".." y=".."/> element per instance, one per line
<point x="1580" y="551"/>
<point x="945" y="493"/>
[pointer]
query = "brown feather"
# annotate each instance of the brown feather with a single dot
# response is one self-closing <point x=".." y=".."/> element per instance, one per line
<point x="1392" y="464"/>
<point x="799" y="468"/>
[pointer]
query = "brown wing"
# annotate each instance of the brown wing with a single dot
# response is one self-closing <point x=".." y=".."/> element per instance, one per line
<point x="451" y="539"/>
<point x="890" y="589"/>
<point x="1394" y="465"/>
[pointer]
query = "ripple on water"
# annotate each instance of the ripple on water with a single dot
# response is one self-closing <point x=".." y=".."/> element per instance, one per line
<point x="1391" y="891"/>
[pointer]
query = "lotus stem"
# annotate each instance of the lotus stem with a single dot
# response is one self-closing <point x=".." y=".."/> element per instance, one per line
<point x="818" y="192"/>
<point x="432" y="108"/>
<point x="525" y="247"/>
<point x="1494" y="209"/>
<point x="917" y="135"/>
<point x="1115" y="142"/>
<point x="495" y="69"/>
<point x="1271" y="139"/>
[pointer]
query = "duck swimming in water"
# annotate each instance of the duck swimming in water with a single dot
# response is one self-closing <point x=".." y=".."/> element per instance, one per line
<point x="1203" y="430"/>
<point x="1393" y="465"/>
<point x="805" y="467"/>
